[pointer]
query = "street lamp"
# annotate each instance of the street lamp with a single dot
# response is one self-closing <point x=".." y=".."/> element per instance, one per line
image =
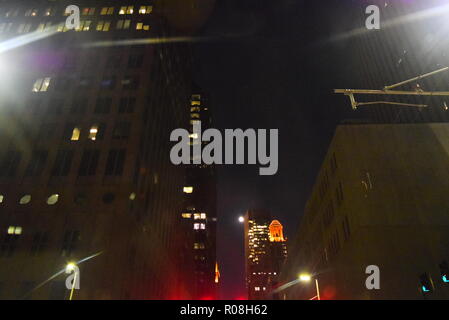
<point x="305" y="277"/>
<point x="241" y="219"/>
<point x="71" y="267"/>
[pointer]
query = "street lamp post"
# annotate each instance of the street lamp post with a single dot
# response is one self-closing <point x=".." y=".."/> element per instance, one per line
<point x="304" y="277"/>
<point x="70" y="268"/>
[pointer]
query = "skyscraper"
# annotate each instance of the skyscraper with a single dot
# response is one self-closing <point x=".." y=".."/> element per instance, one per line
<point x="85" y="174"/>
<point x="265" y="253"/>
<point x="199" y="213"/>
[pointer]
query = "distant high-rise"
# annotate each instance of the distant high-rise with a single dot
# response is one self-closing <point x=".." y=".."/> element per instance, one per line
<point x="265" y="253"/>
<point x="199" y="214"/>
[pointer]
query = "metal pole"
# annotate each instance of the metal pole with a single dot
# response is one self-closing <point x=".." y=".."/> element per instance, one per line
<point x="416" y="78"/>
<point x="317" y="289"/>
<point x="73" y="287"/>
<point x="392" y="92"/>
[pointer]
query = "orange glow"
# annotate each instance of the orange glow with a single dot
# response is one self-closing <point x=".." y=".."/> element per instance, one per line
<point x="276" y="233"/>
<point x="217" y="273"/>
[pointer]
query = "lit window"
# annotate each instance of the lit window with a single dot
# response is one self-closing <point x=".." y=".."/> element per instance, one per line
<point x="103" y="25"/>
<point x="132" y="196"/>
<point x="141" y="26"/>
<point x="15" y="230"/>
<point x="48" y="12"/>
<point x="196" y="226"/>
<point x="107" y="11"/>
<point x="93" y="132"/>
<point x="203" y="216"/>
<point x="186" y="215"/>
<point x="52" y="199"/>
<point x="88" y="11"/>
<point x="196" y="216"/>
<point x="202" y="226"/>
<point x="1" y="198"/>
<point x="196" y="103"/>
<point x="145" y="9"/>
<point x="25" y="199"/>
<point x="126" y="10"/>
<point x="41" y="84"/>
<point x="256" y="288"/>
<point x="188" y="189"/>
<point x="75" y="134"/>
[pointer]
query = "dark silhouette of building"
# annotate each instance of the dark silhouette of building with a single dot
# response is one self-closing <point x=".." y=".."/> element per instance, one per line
<point x="199" y="215"/>
<point x="265" y="254"/>
<point x="84" y="169"/>
<point x="379" y="199"/>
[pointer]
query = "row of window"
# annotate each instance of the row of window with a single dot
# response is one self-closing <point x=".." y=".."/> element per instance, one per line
<point x="89" y="161"/>
<point x="85" y="25"/>
<point x="79" y="105"/>
<point x="107" y="82"/>
<point x="53" y="199"/>
<point x="84" y="11"/>
<point x="9" y="242"/>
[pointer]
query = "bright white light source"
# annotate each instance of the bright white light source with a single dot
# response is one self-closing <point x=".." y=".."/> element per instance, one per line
<point x="241" y="219"/>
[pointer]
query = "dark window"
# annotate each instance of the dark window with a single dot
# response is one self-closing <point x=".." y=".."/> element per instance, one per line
<point x="8" y="245"/>
<point x="89" y="163"/>
<point x="62" y="84"/>
<point x="47" y="131"/>
<point x="69" y="242"/>
<point x="62" y="163"/>
<point x="79" y="105"/>
<point x="121" y="130"/>
<point x="37" y="163"/>
<point x="113" y="61"/>
<point x="71" y="62"/>
<point x="40" y="242"/>
<point x="55" y="106"/>
<point x="115" y="162"/>
<point x="135" y="61"/>
<point x="108" y="197"/>
<point x="10" y="163"/>
<point x="85" y="82"/>
<point x="103" y="105"/>
<point x="35" y="105"/>
<point x="68" y="131"/>
<point x="127" y="105"/>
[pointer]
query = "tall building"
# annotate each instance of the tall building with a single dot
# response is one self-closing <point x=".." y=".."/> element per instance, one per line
<point x="265" y="253"/>
<point x="85" y="173"/>
<point x="200" y="211"/>
<point x="379" y="199"/>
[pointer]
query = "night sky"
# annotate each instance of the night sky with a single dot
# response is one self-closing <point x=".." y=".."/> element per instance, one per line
<point x="274" y="64"/>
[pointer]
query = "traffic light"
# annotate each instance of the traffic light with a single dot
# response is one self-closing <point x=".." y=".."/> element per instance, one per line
<point x="426" y="283"/>
<point x="444" y="270"/>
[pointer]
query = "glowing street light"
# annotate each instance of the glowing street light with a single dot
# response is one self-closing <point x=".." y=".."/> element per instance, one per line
<point x="305" y="277"/>
<point x="71" y="267"/>
<point x="241" y="219"/>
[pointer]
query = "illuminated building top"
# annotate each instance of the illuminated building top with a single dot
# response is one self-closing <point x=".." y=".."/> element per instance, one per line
<point x="276" y="234"/>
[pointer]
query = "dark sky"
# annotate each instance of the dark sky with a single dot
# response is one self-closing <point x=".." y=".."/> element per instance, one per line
<point x="275" y="64"/>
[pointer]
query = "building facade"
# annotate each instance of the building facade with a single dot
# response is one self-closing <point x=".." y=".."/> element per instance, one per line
<point x="200" y="210"/>
<point x="379" y="200"/>
<point x="265" y="254"/>
<point x="85" y="173"/>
